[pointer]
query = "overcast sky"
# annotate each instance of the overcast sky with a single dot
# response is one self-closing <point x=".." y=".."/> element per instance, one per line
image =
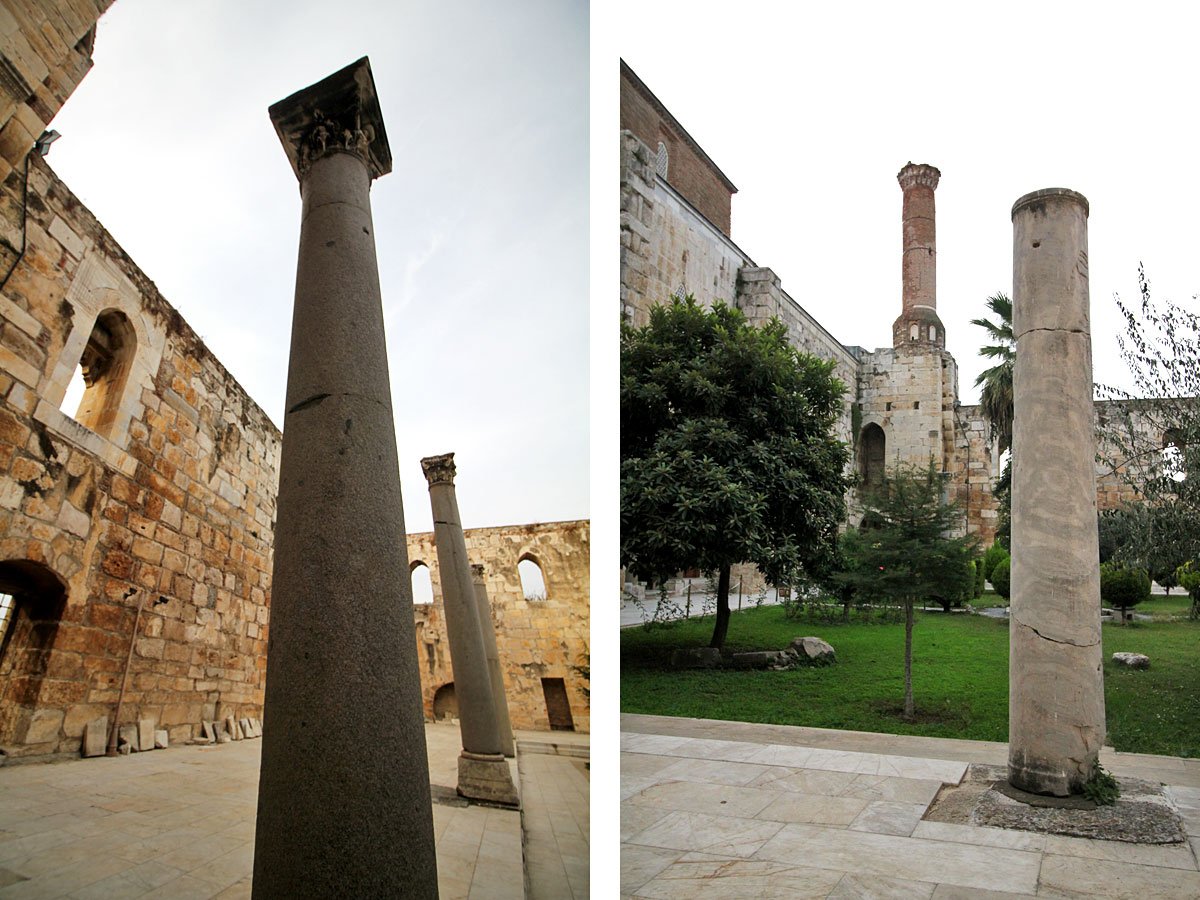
<point x="481" y="228"/>
<point x="812" y="109"/>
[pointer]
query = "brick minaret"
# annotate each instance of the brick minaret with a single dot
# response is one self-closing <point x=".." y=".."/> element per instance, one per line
<point x="919" y="329"/>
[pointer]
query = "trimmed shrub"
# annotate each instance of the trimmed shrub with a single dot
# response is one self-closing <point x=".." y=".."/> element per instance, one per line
<point x="994" y="554"/>
<point x="1123" y="587"/>
<point x="1188" y="576"/>
<point x="999" y="577"/>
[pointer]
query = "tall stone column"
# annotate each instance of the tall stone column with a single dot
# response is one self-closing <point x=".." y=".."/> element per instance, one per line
<point x="918" y="327"/>
<point x="343" y="800"/>
<point x="1056" y="683"/>
<point x="482" y="772"/>
<point x="495" y="673"/>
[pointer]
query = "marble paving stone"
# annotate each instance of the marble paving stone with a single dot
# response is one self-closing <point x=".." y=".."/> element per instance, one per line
<point x="645" y="764"/>
<point x="640" y="864"/>
<point x="904" y="857"/>
<point x="1073" y="877"/>
<point x="813" y="809"/>
<point x="714" y="799"/>
<point x="890" y="787"/>
<point x="1172" y="856"/>
<point x="983" y="836"/>
<point x="734" y="879"/>
<point x="876" y="887"/>
<point x="776" y="755"/>
<point x="713" y="771"/>
<point x="723" y="835"/>
<point x="954" y="892"/>
<point x="805" y="781"/>
<point x="656" y="744"/>
<point x="730" y="751"/>
<point x="637" y="819"/>
<point x="887" y="817"/>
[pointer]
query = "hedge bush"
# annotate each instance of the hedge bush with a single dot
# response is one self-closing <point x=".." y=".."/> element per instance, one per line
<point x="999" y="577"/>
<point x="993" y="555"/>
<point x="1123" y="587"/>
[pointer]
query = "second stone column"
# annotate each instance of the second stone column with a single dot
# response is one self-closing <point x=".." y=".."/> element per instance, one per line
<point x="483" y="773"/>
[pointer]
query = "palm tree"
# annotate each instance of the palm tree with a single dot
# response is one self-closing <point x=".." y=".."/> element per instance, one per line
<point x="996" y="399"/>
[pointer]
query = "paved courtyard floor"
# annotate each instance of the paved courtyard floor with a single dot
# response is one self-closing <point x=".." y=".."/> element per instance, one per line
<point x="179" y="823"/>
<point x="726" y="809"/>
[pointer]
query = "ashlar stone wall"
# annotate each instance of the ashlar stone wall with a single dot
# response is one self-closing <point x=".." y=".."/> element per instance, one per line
<point x="538" y="639"/>
<point x="161" y="486"/>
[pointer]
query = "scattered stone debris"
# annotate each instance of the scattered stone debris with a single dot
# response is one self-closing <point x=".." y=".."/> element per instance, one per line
<point x="813" y="651"/>
<point x="1131" y="660"/>
<point x="760" y="659"/>
<point x="1144" y="814"/>
<point x="95" y="737"/>
<point x="160" y="739"/>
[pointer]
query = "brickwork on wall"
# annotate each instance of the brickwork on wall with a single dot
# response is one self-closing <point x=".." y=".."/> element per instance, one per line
<point x="172" y="499"/>
<point x="544" y="638"/>
<point x="688" y="168"/>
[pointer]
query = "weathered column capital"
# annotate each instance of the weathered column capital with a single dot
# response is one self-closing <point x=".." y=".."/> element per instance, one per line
<point x="439" y="469"/>
<point x="1051" y="194"/>
<point x="915" y="174"/>
<point x="339" y="114"/>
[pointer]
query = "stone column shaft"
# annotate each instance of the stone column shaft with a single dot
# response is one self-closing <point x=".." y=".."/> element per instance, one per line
<point x="482" y="772"/>
<point x="495" y="672"/>
<point x="1056" y="685"/>
<point x="344" y="800"/>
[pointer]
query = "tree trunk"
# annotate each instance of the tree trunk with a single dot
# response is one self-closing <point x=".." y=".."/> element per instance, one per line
<point x="846" y="610"/>
<point x="722" y="626"/>
<point x="908" y="627"/>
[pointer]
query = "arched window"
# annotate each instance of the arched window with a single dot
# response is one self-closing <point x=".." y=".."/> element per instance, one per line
<point x="422" y="584"/>
<point x="533" y="585"/>
<point x="1174" y="461"/>
<point x="104" y="370"/>
<point x="445" y="703"/>
<point x="661" y="161"/>
<point x="914" y="331"/>
<point x="933" y="332"/>
<point x="872" y="451"/>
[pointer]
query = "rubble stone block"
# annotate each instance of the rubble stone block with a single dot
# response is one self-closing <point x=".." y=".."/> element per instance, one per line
<point x="160" y="739"/>
<point x="95" y="737"/>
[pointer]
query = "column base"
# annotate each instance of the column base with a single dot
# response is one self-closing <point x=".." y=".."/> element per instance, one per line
<point x="486" y="777"/>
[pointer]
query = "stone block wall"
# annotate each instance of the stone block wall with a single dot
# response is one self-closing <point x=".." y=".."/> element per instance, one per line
<point x="904" y="395"/>
<point x="537" y="638"/>
<point x="688" y="168"/>
<point x="164" y="492"/>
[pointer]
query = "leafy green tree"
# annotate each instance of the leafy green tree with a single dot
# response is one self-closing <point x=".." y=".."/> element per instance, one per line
<point x="996" y="398"/>
<point x="991" y="558"/>
<point x="909" y="555"/>
<point x="727" y="450"/>
<point x="1160" y="458"/>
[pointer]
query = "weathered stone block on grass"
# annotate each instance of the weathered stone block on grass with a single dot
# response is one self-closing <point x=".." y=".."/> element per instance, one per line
<point x="1131" y="660"/>
<point x="760" y="659"/>
<point x="813" y="651"/>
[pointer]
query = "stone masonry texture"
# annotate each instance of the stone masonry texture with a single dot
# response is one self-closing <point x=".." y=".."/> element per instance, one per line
<point x="908" y="393"/>
<point x="167" y="490"/>
<point x="537" y="638"/>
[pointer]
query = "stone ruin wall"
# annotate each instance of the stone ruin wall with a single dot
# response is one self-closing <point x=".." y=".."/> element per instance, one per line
<point x="536" y="638"/>
<point x="171" y="496"/>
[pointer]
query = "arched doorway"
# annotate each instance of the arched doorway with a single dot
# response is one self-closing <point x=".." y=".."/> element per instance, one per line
<point x="34" y="598"/>
<point x="872" y="452"/>
<point x="445" y="704"/>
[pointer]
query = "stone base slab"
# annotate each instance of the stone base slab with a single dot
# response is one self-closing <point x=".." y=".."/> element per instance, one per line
<point x="487" y="778"/>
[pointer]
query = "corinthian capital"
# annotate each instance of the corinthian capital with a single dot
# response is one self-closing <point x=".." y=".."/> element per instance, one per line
<point x="439" y="469"/>
<point x="339" y="114"/>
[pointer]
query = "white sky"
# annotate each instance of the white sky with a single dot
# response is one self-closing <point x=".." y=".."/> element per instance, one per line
<point x="481" y="227"/>
<point x="812" y="109"/>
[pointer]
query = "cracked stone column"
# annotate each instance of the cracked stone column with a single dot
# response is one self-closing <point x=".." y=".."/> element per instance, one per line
<point x="1056" y="683"/>
<point x="482" y="772"/>
<point x="344" y="801"/>
<point x="495" y="673"/>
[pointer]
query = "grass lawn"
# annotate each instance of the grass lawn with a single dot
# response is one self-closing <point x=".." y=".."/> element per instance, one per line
<point x="960" y="678"/>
